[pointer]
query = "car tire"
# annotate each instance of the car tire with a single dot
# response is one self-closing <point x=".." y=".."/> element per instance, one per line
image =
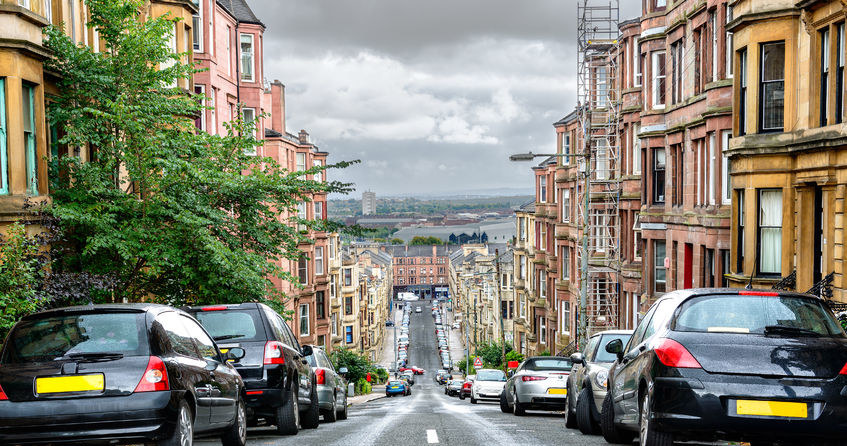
<point x="342" y="414"/>
<point x="504" y="405"/>
<point x="331" y="416"/>
<point x="183" y="433"/>
<point x="647" y="434"/>
<point x="570" y="412"/>
<point x="312" y="417"/>
<point x="288" y="415"/>
<point x="611" y="433"/>
<point x="584" y="418"/>
<point x="461" y="396"/>
<point x="518" y="408"/>
<point x="236" y="435"/>
<point x="473" y="400"/>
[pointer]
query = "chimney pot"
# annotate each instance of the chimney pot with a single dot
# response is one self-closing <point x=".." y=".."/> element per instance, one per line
<point x="304" y="137"/>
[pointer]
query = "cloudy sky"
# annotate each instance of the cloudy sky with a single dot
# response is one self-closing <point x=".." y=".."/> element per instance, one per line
<point x="431" y="96"/>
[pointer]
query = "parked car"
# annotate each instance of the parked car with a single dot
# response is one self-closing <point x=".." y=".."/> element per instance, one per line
<point x="407" y="384"/>
<point x="417" y="309"/>
<point x="418" y="370"/>
<point x="488" y="385"/>
<point x="442" y="376"/>
<point x="587" y="381"/>
<point x="280" y="386"/>
<point x="453" y="387"/>
<point x="332" y="387"/>
<point x="123" y="373"/>
<point x="539" y="382"/>
<point x="395" y="387"/>
<point x="389" y="323"/>
<point x="466" y="387"/>
<point x="409" y="376"/>
<point x="729" y="364"/>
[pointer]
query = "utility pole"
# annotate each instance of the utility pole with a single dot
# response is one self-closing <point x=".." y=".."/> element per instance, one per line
<point x="500" y="300"/>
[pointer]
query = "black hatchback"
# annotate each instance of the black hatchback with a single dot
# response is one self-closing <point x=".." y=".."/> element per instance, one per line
<point x="116" y="374"/>
<point x="728" y="364"/>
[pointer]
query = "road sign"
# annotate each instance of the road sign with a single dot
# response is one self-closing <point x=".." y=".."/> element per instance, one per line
<point x="477" y="363"/>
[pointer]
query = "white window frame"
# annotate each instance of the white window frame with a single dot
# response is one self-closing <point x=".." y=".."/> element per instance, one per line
<point x="522" y="305"/>
<point x="542" y="330"/>
<point x="301" y="161"/>
<point x="714" y="22"/>
<point x="319" y="260"/>
<point x="251" y="54"/>
<point x="728" y="50"/>
<point x="565" y="317"/>
<point x="304" y="316"/>
<point x="775" y="226"/>
<point x="654" y="57"/>
<point x="202" y="91"/>
<point x="197" y="28"/>
<point x="319" y="210"/>
<point x="334" y="324"/>
<point x="636" y="61"/>
<point x="566" y="205"/>
<point x="566" y="147"/>
<point x="712" y="167"/>
<point x="566" y="263"/>
<point x="542" y="284"/>
<point x="542" y="188"/>
<point x="48" y="10"/>
<point x="636" y="149"/>
<point x="319" y="175"/>
<point x="726" y="190"/>
<point x="24" y="3"/>
<point x="229" y="50"/>
<point x="333" y="286"/>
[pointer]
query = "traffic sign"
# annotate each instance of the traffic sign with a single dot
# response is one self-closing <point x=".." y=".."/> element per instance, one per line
<point x="477" y="363"/>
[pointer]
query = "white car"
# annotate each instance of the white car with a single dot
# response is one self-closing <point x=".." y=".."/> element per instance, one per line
<point x="488" y="385"/>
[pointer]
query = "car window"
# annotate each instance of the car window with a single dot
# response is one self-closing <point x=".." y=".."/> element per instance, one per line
<point x="324" y="360"/>
<point x="591" y="348"/>
<point x="287" y="330"/>
<point x="204" y="343"/>
<point x="755" y="315"/>
<point x="48" y="338"/>
<point x="663" y="314"/>
<point x="277" y="327"/>
<point x="638" y="335"/>
<point x="547" y="364"/>
<point x="232" y="325"/>
<point x="491" y="375"/>
<point x="178" y="335"/>
<point x="604" y="356"/>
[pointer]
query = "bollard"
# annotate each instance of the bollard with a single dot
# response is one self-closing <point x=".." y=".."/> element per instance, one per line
<point x="351" y="389"/>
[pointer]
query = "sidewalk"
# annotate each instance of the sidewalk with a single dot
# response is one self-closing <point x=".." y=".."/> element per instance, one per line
<point x="454" y="336"/>
<point x="386" y="359"/>
<point x="376" y="393"/>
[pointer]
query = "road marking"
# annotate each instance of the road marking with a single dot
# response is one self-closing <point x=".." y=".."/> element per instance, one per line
<point x="431" y="436"/>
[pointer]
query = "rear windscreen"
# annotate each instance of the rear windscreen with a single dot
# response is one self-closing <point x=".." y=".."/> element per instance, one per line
<point x="551" y="364"/>
<point x="756" y="315"/>
<point x="232" y="325"/>
<point x="51" y="338"/>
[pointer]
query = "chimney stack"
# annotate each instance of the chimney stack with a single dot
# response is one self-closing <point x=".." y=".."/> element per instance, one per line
<point x="304" y="137"/>
<point x="278" y="106"/>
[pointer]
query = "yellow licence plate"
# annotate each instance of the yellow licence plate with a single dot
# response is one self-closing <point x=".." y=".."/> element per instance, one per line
<point x="771" y="408"/>
<point x="64" y="384"/>
<point x="557" y="391"/>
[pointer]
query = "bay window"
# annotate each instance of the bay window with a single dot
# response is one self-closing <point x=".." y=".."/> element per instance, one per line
<point x="659" y="76"/>
<point x="659" y="175"/>
<point x="247" y="57"/>
<point x="659" y="270"/>
<point x="304" y="320"/>
<point x="772" y="86"/>
<point x="770" y="231"/>
<point x="566" y="205"/>
<point x="28" y="111"/>
<point x="319" y="260"/>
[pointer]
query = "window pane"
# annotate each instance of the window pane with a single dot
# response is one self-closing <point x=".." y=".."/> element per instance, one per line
<point x="773" y="61"/>
<point x="770" y="235"/>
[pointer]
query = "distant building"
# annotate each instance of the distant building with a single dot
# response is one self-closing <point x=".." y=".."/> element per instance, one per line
<point x="368" y="203"/>
<point x="420" y="269"/>
<point x="500" y="230"/>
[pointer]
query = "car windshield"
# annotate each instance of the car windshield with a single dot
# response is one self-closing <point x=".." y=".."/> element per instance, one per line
<point x="491" y="375"/>
<point x="785" y="315"/>
<point x="395" y="383"/>
<point x="231" y="325"/>
<point x="602" y="355"/>
<point x="70" y="335"/>
<point x="545" y="364"/>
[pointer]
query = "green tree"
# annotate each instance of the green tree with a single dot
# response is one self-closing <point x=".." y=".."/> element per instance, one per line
<point x="397" y="241"/>
<point x="161" y="209"/>
<point x="357" y="365"/>
<point x="424" y="241"/>
<point x="20" y="270"/>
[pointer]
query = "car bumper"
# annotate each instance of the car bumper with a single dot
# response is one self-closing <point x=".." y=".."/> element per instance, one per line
<point x="395" y="391"/>
<point x="147" y="416"/>
<point x="537" y="395"/>
<point x="264" y="401"/>
<point x="326" y="396"/>
<point x="487" y="394"/>
<point x="701" y="405"/>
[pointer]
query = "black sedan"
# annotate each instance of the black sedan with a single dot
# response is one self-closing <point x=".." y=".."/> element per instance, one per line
<point x="738" y="365"/>
<point x="116" y="374"/>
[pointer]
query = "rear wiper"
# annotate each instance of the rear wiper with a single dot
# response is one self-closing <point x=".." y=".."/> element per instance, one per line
<point x="225" y="337"/>
<point x="790" y="330"/>
<point x="93" y="356"/>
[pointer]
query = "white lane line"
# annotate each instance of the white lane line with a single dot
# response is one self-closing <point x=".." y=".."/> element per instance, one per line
<point x="431" y="436"/>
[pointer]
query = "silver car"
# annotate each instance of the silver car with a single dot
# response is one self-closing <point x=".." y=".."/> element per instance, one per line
<point x="332" y="388"/>
<point x="540" y="382"/>
<point x="587" y="383"/>
<point x="453" y="387"/>
<point x="487" y="385"/>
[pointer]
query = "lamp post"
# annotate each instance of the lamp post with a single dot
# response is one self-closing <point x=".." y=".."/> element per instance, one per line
<point x="583" y="276"/>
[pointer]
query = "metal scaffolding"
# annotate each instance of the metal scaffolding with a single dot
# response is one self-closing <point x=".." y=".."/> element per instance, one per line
<point x="598" y="95"/>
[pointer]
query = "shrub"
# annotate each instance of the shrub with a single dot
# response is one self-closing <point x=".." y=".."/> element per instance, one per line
<point x="20" y="272"/>
<point x="382" y="374"/>
<point x="363" y="387"/>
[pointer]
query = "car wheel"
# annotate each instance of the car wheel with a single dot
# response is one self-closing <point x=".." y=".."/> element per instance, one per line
<point x="504" y="405"/>
<point x="288" y="415"/>
<point x="332" y="414"/>
<point x="183" y="434"/>
<point x="312" y="417"/>
<point x="461" y="396"/>
<point x="342" y="415"/>
<point x="611" y="433"/>
<point x="518" y="408"/>
<point x="237" y="434"/>
<point x="473" y="400"/>
<point x="647" y="433"/>
<point x="584" y="418"/>
<point x="570" y="413"/>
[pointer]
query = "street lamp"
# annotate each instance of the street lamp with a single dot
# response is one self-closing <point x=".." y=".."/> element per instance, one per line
<point x="583" y="276"/>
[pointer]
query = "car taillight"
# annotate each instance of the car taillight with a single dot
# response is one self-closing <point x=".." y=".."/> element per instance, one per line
<point x="533" y="378"/>
<point x="320" y="375"/>
<point x="273" y="353"/>
<point x="843" y="372"/>
<point x="673" y="354"/>
<point x="155" y="378"/>
<point x="214" y="308"/>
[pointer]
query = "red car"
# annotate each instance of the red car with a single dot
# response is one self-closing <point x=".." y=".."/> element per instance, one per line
<point x="466" y="389"/>
<point x="418" y="370"/>
<point x="404" y="369"/>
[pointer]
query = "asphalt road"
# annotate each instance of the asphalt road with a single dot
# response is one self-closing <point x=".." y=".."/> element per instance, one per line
<point x="429" y="416"/>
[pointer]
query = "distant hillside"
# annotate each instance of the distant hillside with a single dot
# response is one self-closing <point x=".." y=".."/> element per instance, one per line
<point x="440" y="206"/>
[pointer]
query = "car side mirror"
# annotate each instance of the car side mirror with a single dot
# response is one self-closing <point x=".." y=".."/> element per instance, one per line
<point x="342" y="371"/>
<point x="234" y="354"/>
<point x="615" y="347"/>
<point x="307" y="350"/>
<point x="578" y="358"/>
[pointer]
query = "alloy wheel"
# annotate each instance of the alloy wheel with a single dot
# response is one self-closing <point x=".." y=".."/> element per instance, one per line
<point x="295" y="401"/>
<point x="644" y="420"/>
<point x="242" y="423"/>
<point x="186" y="428"/>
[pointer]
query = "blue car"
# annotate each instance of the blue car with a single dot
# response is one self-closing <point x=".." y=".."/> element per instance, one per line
<point x="395" y="387"/>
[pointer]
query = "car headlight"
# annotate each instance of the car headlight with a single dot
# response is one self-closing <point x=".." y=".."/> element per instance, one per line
<point x="601" y="378"/>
